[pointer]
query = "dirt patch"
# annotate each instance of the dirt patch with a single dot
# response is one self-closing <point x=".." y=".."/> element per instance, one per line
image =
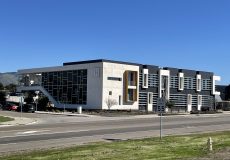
<point x="115" y="113"/>
<point x="123" y="113"/>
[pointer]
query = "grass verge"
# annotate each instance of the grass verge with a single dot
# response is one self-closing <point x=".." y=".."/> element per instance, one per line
<point x="5" y="119"/>
<point x="169" y="148"/>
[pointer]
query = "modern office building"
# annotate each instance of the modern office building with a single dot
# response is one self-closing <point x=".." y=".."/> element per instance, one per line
<point x="100" y="84"/>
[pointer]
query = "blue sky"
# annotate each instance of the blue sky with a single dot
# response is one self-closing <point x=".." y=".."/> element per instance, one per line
<point x="192" y="34"/>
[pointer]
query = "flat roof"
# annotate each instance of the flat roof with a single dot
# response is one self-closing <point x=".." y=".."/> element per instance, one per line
<point x="99" y="61"/>
<point x="189" y="70"/>
<point x="71" y="64"/>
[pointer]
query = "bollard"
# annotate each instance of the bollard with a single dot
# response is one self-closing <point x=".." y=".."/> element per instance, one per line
<point x="209" y="144"/>
<point x="79" y="110"/>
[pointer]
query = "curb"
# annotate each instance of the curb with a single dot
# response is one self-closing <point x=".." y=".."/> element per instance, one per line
<point x="5" y="125"/>
<point x="65" y="114"/>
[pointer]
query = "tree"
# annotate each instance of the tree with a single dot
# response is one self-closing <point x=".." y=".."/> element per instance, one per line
<point x="11" y="87"/>
<point x="2" y="97"/>
<point x="170" y="104"/>
<point x="42" y="103"/>
<point x="213" y="103"/>
<point x="110" y="102"/>
<point x="1" y="86"/>
<point x="29" y="97"/>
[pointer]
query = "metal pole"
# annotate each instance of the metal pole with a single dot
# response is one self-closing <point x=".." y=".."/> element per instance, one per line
<point x="21" y="107"/>
<point x="36" y="105"/>
<point x="36" y="101"/>
<point x="161" y="125"/>
<point x="64" y="107"/>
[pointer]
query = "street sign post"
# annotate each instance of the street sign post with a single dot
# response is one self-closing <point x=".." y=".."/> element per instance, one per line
<point x="161" y="105"/>
<point x="161" y="102"/>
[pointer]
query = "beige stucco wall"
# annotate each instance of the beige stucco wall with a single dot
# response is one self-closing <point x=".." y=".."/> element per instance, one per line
<point x="117" y="87"/>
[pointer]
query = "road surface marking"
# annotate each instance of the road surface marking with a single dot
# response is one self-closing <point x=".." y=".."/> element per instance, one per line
<point x="27" y="132"/>
<point x="8" y="144"/>
<point x="31" y="132"/>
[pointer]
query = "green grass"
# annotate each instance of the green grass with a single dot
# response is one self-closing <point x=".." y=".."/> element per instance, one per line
<point x="5" y="119"/>
<point x="170" y="148"/>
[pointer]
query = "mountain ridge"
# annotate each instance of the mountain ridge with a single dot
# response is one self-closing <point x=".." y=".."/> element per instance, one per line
<point x="8" y="78"/>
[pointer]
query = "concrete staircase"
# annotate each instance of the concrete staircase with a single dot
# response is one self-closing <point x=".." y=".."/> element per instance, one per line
<point x="41" y="89"/>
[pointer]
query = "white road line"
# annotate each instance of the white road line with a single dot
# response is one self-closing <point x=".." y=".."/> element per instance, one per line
<point x="8" y="144"/>
<point x="27" y="132"/>
<point x="40" y="133"/>
<point x="31" y="132"/>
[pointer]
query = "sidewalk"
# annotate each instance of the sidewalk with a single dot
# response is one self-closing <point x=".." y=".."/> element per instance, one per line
<point x="88" y="117"/>
<point x="19" y="121"/>
<point x="226" y="112"/>
<point x="65" y="113"/>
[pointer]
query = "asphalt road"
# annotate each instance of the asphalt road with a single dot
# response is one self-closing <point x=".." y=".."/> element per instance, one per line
<point x="62" y="131"/>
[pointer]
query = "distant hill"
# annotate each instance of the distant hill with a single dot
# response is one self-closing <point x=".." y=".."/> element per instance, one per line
<point x="8" y="78"/>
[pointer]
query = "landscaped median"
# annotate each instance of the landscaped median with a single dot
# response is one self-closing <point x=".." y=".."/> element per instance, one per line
<point x="5" y="119"/>
<point x="170" y="147"/>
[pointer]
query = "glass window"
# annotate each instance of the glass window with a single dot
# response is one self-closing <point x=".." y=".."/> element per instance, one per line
<point x="200" y="100"/>
<point x="198" y="84"/>
<point x="114" y="78"/>
<point x="145" y="80"/>
<point x="181" y="84"/>
<point x="131" y="79"/>
<point x="189" y="99"/>
<point x="130" y="95"/>
<point x="120" y="100"/>
<point x="67" y="86"/>
<point x="150" y="98"/>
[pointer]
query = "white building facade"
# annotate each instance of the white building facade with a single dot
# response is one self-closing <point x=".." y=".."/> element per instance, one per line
<point x="105" y="84"/>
